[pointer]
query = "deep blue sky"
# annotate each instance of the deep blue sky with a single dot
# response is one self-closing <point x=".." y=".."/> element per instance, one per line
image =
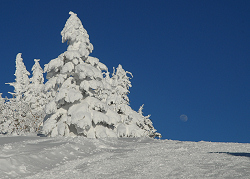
<point x="187" y="57"/>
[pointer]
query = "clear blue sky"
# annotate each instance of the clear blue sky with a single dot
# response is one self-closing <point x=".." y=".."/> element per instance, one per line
<point x="187" y="57"/>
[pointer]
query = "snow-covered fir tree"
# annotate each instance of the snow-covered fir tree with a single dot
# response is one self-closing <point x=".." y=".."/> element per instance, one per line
<point x="119" y="85"/>
<point x="77" y="87"/>
<point x="74" y="79"/>
<point x="15" y="109"/>
<point x="133" y="124"/>
<point x="22" y="78"/>
<point x="35" y="94"/>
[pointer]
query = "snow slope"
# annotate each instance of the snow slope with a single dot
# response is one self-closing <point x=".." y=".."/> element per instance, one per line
<point x="67" y="157"/>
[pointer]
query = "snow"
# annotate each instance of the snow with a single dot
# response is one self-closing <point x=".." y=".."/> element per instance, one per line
<point x="80" y="157"/>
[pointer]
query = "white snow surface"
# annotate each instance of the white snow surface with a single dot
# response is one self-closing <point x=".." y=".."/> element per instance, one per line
<point x="79" y="157"/>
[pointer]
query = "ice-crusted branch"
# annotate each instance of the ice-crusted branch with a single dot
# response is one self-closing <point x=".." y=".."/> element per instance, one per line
<point x="76" y="35"/>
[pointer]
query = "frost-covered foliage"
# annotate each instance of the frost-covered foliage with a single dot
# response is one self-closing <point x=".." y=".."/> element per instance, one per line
<point x="83" y="101"/>
<point x="133" y="124"/>
<point x="35" y="95"/>
<point x="25" y="111"/>
<point x="76" y="36"/>
<point x="117" y="89"/>
<point x="16" y="117"/>
<point x="22" y="80"/>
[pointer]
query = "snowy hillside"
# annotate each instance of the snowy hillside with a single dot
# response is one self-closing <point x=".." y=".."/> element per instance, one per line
<point x="79" y="157"/>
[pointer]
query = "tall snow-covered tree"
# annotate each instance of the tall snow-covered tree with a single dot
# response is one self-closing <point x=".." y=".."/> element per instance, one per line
<point x="74" y="80"/>
<point x="16" y="110"/>
<point x="22" y="80"/>
<point x="83" y="101"/>
<point x="35" y="96"/>
<point x="35" y="93"/>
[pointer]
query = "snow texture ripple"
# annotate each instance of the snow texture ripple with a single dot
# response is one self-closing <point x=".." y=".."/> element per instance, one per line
<point x="79" y="157"/>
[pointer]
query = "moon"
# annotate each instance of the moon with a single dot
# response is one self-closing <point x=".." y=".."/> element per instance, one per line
<point x="184" y="117"/>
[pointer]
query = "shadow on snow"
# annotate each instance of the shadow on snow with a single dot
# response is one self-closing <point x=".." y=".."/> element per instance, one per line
<point x="241" y="154"/>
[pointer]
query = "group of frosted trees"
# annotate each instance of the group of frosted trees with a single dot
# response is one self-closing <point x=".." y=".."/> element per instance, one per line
<point x="24" y="112"/>
<point x="79" y="98"/>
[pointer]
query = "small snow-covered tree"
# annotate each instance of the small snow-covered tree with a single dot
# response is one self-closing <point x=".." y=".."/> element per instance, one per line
<point x="2" y="101"/>
<point x="120" y="84"/>
<point x="15" y="115"/>
<point x="3" y="115"/>
<point x="133" y="124"/>
<point x="6" y="116"/>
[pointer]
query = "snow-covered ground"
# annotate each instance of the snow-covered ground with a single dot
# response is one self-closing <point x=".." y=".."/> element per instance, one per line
<point x="78" y="157"/>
